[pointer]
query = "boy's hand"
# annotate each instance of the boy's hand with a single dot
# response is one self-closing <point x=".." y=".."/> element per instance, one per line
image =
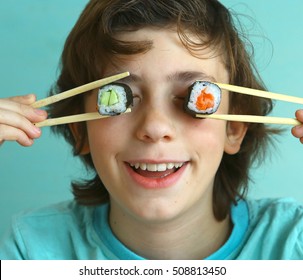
<point x="17" y="118"/>
<point x="297" y="131"/>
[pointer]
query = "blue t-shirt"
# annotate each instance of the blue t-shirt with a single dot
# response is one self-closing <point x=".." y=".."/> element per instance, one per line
<point x="262" y="229"/>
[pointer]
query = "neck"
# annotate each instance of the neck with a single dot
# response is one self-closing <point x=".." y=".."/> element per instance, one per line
<point x="186" y="237"/>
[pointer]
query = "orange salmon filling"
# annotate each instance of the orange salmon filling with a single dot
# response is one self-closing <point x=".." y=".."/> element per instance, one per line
<point x="205" y="101"/>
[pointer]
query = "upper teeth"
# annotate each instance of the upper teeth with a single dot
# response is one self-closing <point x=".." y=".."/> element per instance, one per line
<point x="156" y="167"/>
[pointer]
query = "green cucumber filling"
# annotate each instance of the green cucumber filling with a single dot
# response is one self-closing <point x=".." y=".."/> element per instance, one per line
<point x="109" y="98"/>
<point x="113" y="99"/>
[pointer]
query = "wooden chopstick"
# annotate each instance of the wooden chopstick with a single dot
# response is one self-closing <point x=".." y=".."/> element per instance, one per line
<point x="256" y="119"/>
<point x="261" y="93"/>
<point x="74" y="118"/>
<point x="99" y="83"/>
<point x="78" y="90"/>
<point x="73" y="92"/>
<point x="252" y="119"/>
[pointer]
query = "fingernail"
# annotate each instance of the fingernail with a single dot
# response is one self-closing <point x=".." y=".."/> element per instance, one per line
<point x="30" y="95"/>
<point x="36" y="130"/>
<point x="29" y="142"/>
<point x="40" y="112"/>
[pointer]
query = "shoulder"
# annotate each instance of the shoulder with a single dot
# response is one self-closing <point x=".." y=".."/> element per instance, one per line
<point x="52" y="232"/>
<point x="64" y="214"/>
<point x="281" y="207"/>
<point x="275" y="228"/>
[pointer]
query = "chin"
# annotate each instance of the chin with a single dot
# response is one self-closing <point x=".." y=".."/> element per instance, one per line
<point x="155" y="211"/>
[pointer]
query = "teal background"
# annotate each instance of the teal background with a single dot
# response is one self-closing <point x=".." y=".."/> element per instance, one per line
<point x="32" y="35"/>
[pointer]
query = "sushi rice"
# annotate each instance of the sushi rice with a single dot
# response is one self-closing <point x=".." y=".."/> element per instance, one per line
<point x="203" y="98"/>
<point x="114" y="99"/>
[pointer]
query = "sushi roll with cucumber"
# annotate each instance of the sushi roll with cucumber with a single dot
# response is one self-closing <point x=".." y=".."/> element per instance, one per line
<point x="203" y="98"/>
<point x="114" y="99"/>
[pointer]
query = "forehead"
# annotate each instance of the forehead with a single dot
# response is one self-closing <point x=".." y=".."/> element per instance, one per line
<point x="161" y="37"/>
<point x="169" y="57"/>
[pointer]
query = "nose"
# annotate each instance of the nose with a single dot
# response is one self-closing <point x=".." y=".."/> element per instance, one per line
<point x="155" y="125"/>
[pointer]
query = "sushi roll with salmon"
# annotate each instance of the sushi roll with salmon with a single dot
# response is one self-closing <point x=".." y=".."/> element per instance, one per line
<point x="114" y="99"/>
<point x="203" y="98"/>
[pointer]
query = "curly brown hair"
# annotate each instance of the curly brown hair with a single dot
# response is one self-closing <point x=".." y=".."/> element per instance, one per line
<point x="91" y="45"/>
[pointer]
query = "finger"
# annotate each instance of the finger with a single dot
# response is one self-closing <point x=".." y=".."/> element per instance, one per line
<point x="24" y="99"/>
<point x="297" y="131"/>
<point x="299" y="115"/>
<point x="12" y="119"/>
<point x="34" y="115"/>
<point x="8" y="133"/>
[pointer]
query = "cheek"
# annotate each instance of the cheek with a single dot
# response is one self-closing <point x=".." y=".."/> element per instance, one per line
<point x="104" y="146"/>
<point x="208" y="137"/>
<point x="224" y="104"/>
<point x="108" y="137"/>
<point x="103" y="133"/>
<point x="104" y="138"/>
<point x="97" y="136"/>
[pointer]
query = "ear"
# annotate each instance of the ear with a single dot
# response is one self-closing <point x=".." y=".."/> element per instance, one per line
<point x="80" y="135"/>
<point x="235" y="132"/>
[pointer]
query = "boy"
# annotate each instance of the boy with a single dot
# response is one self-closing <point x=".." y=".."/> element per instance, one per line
<point x="166" y="185"/>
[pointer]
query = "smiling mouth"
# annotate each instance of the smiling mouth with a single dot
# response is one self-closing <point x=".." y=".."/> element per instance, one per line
<point x="156" y="170"/>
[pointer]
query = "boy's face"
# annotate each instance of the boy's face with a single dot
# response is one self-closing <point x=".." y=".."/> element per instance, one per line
<point x="159" y="135"/>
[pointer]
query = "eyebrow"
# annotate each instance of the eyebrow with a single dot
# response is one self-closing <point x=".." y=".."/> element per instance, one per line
<point x="180" y="76"/>
<point x="188" y="76"/>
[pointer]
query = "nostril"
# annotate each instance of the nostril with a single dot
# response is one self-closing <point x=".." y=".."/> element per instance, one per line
<point x="155" y="138"/>
<point x="156" y="129"/>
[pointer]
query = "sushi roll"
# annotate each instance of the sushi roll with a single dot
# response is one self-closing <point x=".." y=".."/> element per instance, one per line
<point x="114" y="99"/>
<point x="203" y="98"/>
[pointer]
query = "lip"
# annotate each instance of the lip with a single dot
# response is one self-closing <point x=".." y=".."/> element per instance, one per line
<point x="155" y="183"/>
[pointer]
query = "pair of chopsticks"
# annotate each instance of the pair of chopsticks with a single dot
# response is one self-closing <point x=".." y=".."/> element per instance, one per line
<point x="256" y="119"/>
<point x="102" y="82"/>
<point x="73" y="92"/>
